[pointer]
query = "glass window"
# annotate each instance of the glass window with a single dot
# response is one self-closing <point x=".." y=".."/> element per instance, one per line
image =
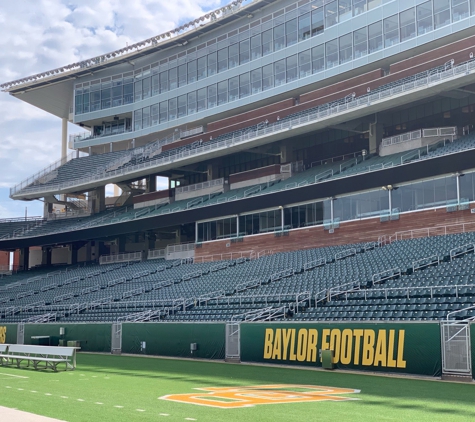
<point x="244" y="87"/>
<point x="360" y="41"/>
<point x="146" y="88"/>
<point x="441" y="13"/>
<point x="375" y="37"/>
<point x="304" y="26"/>
<point x="128" y="93"/>
<point x="424" y="18"/>
<point x="222" y="92"/>
<point x="212" y="96"/>
<point x="182" y="105"/>
<point x="182" y="74"/>
<point x="346" y="48"/>
<point x="172" y="109"/>
<point x="279" y="72"/>
<point x="331" y="53"/>
<point x="459" y="10"/>
<point x="201" y="103"/>
<point x="291" y="31"/>
<point x="163" y="111"/>
<point x="137" y="91"/>
<point x="212" y="63"/>
<point x="360" y="205"/>
<point x="256" y="80"/>
<point x="305" y="63"/>
<point x="344" y="10"/>
<point x="233" y="55"/>
<point x="154" y="117"/>
<point x="137" y="119"/>
<point x="408" y="24"/>
<point x="116" y="96"/>
<point x="192" y="71"/>
<point x="145" y="117"/>
<point x="391" y="30"/>
<point x="192" y="102"/>
<point x="155" y="84"/>
<point x="222" y="59"/>
<point x="318" y="58"/>
<point x="267" y="42"/>
<point x="279" y="37"/>
<point x="256" y="47"/>
<point x="292" y="68"/>
<point x="317" y="21"/>
<point x="78" y="103"/>
<point x="267" y="77"/>
<point x="373" y="3"/>
<point x="472" y="7"/>
<point x="202" y="70"/>
<point x="173" y="78"/>
<point x="244" y="54"/>
<point x="233" y="88"/>
<point x="331" y="14"/>
<point x="359" y="6"/>
<point x="467" y="187"/>
<point x="164" y="81"/>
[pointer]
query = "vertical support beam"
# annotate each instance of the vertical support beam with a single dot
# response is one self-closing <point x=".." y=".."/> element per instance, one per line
<point x="46" y="253"/>
<point x="458" y="188"/>
<point x="282" y="217"/>
<point x="196" y="232"/>
<point x="64" y="138"/>
<point x="151" y="183"/>
<point x="24" y="260"/>
<point x="331" y="209"/>
<point x="237" y="225"/>
<point x="375" y="135"/>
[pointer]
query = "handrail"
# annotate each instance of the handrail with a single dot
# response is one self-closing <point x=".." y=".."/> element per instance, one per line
<point x="281" y="126"/>
<point x="430" y="231"/>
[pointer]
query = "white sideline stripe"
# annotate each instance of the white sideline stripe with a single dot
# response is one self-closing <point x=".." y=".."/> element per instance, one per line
<point x="190" y="419"/>
<point x="80" y="400"/>
<point x="11" y="375"/>
<point x="14" y="415"/>
<point x="164" y="414"/>
<point x="140" y="410"/>
<point x="98" y="402"/>
<point x="119" y="407"/>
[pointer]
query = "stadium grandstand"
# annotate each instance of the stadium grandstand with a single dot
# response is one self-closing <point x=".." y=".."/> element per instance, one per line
<point x="319" y="158"/>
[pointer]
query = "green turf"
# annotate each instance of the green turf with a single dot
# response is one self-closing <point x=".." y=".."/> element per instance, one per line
<point x="137" y="383"/>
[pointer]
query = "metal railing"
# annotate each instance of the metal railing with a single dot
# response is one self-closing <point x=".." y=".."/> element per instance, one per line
<point x="278" y="127"/>
<point x="123" y="257"/>
<point x="433" y="231"/>
<point x="200" y="186"/>
<point x="418" y="134"/>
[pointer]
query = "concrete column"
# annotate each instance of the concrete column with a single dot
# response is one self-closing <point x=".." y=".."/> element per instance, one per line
<point x="151" y="183"/>
<point x="46" y="253"/>
<point x="24" y="259"/>
<point x="97" y="200"/>
<point x="212" y="171"/>
<point x="73" y="254"/>
<point x="47" y="209"/>
<point x="375" y="136"/>
<point x="64" y="138"/>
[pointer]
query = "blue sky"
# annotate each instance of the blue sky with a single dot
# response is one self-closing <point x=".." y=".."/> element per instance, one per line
<point x="46" y="34"/>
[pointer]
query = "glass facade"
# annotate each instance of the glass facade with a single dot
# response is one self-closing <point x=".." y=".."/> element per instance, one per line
<point x="409" y="197"/>
<point x="283" y="29"/>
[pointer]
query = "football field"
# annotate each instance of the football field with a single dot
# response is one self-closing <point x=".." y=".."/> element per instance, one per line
<point x="124" y="388"/>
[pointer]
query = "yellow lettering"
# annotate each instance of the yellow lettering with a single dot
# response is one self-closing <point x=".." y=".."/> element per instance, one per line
<point x="277" y="352"/>
<point x="380" y="353"/>
<point x="302" y="345"/>
<point x="292" y="346"/>
<point x="286" y="337"/>
<point x="346" y="346"/>
<point x="401" y="363"/>
<point x="368" y="347"/>
<point x="357" y="334"/>
<point x="391" y="360"/>
<point x="312" y="345"/>
<point x="269" y="336"/>
<point x="335" y="338"/>
<point x="325" y="335"/>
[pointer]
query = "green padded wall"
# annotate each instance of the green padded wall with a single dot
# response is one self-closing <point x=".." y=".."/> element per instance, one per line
<point x="389" y="347"/>
<point x="93" y="337"/>
<point x="173" y="339"/>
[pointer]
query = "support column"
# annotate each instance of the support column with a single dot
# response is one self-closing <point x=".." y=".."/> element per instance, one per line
<point x="151" y="183"/>
<point x="24" y="260"/>
<point x="73" y="254"/>
<point x="64" y="138"/>
<point x="97" y="200"/>
<point x="46" y="253"/>
<point x="375" y="136"/>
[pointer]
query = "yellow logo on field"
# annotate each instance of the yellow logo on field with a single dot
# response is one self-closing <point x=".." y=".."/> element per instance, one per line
<point x="236" y="397"/>
<point x="3" y="335"/>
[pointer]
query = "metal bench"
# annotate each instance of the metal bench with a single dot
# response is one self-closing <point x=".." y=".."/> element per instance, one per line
<point x="50" y="356"/>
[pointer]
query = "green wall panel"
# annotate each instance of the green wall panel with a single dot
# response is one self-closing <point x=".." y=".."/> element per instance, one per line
<point x="472" y="339"/>
<point x="406" y="348"/>
<point x="8" y="333"/>
<point x="174" y="339"/>
<point x="93" y="337"/>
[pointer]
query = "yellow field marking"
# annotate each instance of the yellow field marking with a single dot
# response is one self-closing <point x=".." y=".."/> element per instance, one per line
<point x="238" y="397"/>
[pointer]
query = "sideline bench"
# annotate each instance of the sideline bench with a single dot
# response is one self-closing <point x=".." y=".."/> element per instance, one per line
<point x="50" y="356"/>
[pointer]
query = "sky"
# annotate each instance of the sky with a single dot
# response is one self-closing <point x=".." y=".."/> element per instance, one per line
<point x="42" y="35"/>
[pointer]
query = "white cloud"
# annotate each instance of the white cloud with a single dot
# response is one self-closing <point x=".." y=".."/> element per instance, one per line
<point x="46" y="34"/>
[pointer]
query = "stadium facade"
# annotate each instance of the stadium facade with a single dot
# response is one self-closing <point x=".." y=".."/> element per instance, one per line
<point x="279" y="126"/>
